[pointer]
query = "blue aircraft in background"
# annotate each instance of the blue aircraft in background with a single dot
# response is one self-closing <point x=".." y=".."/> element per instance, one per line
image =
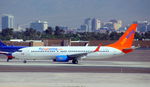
<point x="8" y="50"/>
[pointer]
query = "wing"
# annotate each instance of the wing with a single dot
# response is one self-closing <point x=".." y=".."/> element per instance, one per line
<point x="84" y="54"/>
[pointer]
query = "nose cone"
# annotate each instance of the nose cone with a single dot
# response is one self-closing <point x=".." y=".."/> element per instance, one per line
<point x="18" y="55"/>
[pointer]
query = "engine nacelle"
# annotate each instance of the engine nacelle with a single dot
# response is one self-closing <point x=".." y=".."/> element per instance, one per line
<point x="61" y="58"/>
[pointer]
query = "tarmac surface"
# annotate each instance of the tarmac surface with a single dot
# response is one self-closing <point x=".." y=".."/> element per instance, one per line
<point x="46" y="79"/>
<point x="131" y="70"/>
<point x="84" y="66"/>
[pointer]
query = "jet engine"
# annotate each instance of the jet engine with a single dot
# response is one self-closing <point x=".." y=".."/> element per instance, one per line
<point x="61" y="58"/>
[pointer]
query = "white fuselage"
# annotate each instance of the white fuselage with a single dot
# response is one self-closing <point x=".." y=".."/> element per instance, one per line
<point x="52" y="52"/>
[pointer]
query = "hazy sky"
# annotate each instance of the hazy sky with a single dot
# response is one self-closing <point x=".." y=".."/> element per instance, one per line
<point x="73" y="12"/>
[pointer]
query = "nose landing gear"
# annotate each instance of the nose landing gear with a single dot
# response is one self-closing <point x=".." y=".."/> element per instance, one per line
<point x="25" y="61"/>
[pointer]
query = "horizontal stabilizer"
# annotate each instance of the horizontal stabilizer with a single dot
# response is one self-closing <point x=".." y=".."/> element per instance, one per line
<point x="127" y="50"/>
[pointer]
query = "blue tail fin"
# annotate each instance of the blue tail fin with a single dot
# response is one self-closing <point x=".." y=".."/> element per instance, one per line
<point x="2" y="44"/>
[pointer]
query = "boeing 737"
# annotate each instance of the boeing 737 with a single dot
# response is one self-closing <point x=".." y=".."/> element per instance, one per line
<point x="72" y="53"/>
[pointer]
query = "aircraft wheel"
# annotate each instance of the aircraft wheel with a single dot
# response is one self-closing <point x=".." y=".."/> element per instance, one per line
<point x="54" y="60"/>
<point x="24" y="61"/>
<point x="8" y="59"/>
<point x="75" y="61"/>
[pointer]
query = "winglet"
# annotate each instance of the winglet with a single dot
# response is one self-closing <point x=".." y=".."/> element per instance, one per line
<point x="98" y="47"/>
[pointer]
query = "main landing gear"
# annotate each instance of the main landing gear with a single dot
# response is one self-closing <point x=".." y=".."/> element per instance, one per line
<point x="75" y="61"/>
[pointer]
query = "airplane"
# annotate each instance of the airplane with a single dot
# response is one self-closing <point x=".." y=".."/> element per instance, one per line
<point x="72" y="53"/>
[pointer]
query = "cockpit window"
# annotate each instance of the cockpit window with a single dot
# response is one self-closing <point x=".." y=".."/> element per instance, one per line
<point x="19" y="51"/>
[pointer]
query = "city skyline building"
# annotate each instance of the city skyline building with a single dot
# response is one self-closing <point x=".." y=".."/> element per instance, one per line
<point x="96" y="24"/>
<point x="83" y="28"/>
<point x="88" y="22"/>
<point x="143" y="26"/>
<point x="39" y="25"/>
<point x="108" y="25"/>
<point x="7" y="21"/>
<point x="148" y="27"/>
<point x="116" y="24"/>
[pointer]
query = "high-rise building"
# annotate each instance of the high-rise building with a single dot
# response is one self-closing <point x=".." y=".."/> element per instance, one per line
<point x="83" y="28"/>
<point x="142" y="26"/>
<point x="88" y="22"/>
<point x="96" y="24"/>
<point x="7" y="21"/>
<point x="116" y="24"/>
<point x="148" y="27"/>
<point x="39" y="25"/>
<point x="109" y="25"/>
